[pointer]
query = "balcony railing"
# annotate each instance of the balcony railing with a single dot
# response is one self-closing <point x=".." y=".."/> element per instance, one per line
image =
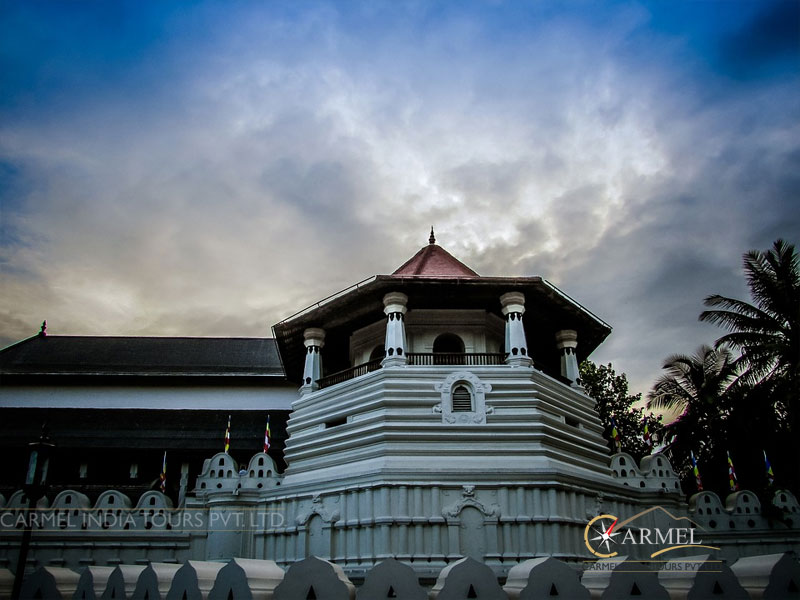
<point x="473" y="359"/>
<point x="350" y="373"/>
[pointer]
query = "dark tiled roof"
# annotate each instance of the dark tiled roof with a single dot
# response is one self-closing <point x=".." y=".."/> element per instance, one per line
<point x="172" y="356"/>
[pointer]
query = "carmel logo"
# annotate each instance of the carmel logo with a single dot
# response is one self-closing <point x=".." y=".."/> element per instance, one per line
<point x="606" y="535"/>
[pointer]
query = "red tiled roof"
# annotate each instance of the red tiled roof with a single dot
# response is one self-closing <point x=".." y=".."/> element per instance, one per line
<point x="434" y="261"/>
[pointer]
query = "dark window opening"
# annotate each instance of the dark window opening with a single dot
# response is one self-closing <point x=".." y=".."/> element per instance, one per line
<point x="462" y="400"/>
<point x="335" y="422"/>
<point x="448" y="349"/>
<point x="448" y="342"/>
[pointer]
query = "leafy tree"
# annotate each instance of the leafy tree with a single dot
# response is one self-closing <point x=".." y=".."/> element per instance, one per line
<point x="610" y="391"/>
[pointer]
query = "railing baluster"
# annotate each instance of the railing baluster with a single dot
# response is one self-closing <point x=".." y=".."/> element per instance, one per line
<point x="455" y="358"/>
<point x="424" y="359"/>
<point x="350" y="373"/>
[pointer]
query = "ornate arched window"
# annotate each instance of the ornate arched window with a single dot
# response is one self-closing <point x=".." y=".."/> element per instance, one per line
<point x="462" y="399"/>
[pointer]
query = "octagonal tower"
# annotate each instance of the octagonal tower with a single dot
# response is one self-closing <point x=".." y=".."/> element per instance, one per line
<point x="448" y="420"/>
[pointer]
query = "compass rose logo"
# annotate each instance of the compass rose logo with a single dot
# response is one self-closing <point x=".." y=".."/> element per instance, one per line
<point x="599" y="535"/>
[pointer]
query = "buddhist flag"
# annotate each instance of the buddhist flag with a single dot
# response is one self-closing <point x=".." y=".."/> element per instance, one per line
<point x="266" y="436"/>
<point x="646" y="435"/>
<point x="228" y="435"/>
<point x="163" y="476"/>
<point x="615" y="435"/>
<point x="770" y="474"/>
<point x="732" y="474"/>
<point x="696" y="472"/>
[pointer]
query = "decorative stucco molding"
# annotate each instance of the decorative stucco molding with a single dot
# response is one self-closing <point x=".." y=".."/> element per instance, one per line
<point x="318" y="508"/>
<point x="468" y="499"/>
<point x="478" y="390"/>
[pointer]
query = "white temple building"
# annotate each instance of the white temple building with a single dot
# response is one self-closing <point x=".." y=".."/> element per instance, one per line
<point x="433" y="414"/>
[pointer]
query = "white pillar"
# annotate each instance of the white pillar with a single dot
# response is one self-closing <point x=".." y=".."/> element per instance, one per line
<point x="314" y="341"/>
<point x="516" y="345"/>
<point x="394" y="306"/>
<point x="567" y="341"/>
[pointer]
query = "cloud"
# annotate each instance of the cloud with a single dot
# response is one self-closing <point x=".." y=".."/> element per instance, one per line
<point x="768" y="41"/>
<point x="239" y="164"/>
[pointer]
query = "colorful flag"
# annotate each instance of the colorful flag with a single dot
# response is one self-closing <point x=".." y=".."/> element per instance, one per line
<point x="615" y="435"/>
<point x="732" y="474"/>
<point x="696" y="471"/>
<point x="163" y="476"/>
<point x="228" y="435"/>
<point x="770" y="474"/>
<point x="266" y="436"/>
<point x="646" y="435"/>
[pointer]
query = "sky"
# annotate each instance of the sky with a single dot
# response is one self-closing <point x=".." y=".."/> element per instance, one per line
<point x="209" y="168"/>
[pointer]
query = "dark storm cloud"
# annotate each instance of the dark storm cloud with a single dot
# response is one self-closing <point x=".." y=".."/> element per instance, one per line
<point x="223" y="166"/>
<point x="769" y="41"/>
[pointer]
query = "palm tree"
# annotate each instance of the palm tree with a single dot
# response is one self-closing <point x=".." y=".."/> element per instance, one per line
<point x="697" y="385"/>
<point x="767" y="332"/>
<point x="700" y="387"/>
<point x="695" y="382"/>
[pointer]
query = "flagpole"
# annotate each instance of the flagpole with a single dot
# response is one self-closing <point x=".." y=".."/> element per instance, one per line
<point x="732" y="474"/>
<point x="228" y="435"/>
<point x="163" y="476"/>
<point x="770" y="474"/>
<point x="615" y="435"/>
<point x="266" y="437"/>
<point x="696" y="471"/>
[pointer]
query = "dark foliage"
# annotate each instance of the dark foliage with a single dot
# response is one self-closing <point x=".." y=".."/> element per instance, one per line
<point x="610" y="391"/>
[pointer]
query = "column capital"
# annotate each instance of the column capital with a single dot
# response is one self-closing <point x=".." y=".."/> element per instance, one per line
<point x="513" y="302"/>
<point x="314" y="336"/>
<point x="566" y="338"/>
<point x="395" y="302"/>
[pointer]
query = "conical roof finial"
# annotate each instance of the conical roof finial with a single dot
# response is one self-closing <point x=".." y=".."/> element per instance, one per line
<point x="43" y="330"/>
<point x="432" y="239"/>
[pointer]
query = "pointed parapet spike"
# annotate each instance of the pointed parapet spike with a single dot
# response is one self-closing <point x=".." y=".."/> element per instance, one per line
<point x="155" y="581"/>
<point x="53" y="583"/>
<point x="769" y="576"/>
<point x="313" y="577"/>
<point x="122" y="581"/>
<point x="246" y="578"/>
<point x="700" y="576"/>
<point x="194" y="580"/>
<point x="620" y="578"/>
<point x="391" y="579"/>
<point x="467" y="578"/>
<point x="92" y="583"/>
<point x="542" y="578"/>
